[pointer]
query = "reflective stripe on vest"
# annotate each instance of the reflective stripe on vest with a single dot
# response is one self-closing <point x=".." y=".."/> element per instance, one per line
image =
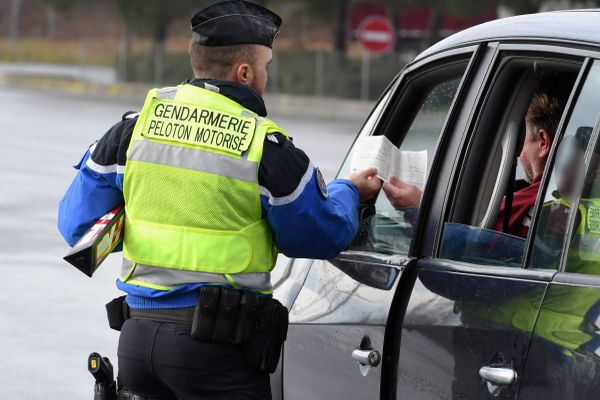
<point x="183" y="157"/>
<point x="193" y="207"/>
<point x="167" y="278"/>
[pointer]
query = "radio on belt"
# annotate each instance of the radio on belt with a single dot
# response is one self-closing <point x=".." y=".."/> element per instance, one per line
<point x="98" y="242"/>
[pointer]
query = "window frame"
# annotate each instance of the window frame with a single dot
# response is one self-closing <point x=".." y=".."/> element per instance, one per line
<point x="498" y="49"/>
<point x="595" y="136"/>
<point x="549" y="168"/>
<point x="399" y="87"/>
<point x="407" y="88"/>
<point x="483" y="109"/>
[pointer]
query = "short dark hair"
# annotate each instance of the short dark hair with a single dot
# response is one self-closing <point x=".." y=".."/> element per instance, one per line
<point x="544" y="112"/>
<point x="215" y="62"/>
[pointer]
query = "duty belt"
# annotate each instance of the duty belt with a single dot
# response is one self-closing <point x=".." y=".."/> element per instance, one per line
<point x="179" y="315"/>
<point x="224" y="316"/>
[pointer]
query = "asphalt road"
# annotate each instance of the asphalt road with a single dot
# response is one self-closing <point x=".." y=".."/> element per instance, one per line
<point x="52" y="316"/>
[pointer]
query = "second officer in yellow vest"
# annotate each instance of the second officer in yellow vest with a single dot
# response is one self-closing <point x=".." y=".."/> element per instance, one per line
<point x="213" y="189"/>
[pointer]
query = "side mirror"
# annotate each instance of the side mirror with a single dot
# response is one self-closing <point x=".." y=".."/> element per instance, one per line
<point x="374" y="275"/>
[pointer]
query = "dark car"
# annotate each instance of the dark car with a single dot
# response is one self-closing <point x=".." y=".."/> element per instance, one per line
<point x="432" y="302"/>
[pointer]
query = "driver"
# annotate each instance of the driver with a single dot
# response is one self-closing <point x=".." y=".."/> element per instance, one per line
<point x="541" y="122"/>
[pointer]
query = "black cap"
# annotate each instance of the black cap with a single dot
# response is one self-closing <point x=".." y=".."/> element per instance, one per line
<point x="232" y="22"/>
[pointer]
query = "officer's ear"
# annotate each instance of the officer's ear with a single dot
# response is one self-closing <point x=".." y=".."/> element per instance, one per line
<point x="244" y="74"/>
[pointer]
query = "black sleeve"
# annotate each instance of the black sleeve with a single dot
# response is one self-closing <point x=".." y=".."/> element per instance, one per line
<point x="282" y="166"/>
<point x="111" y="149"/>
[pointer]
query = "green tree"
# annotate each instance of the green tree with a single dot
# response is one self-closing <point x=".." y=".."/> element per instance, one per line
<point x="335" y="13"/>
<point x="152" y="18"/>
<point x="55" y="7"/>
<point x="62" y="6"/>
<point x="521" y="6"/>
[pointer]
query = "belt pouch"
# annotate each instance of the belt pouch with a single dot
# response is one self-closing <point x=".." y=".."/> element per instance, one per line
<point x="264" y="350"/>
<point x="246" y="324"/>
<point x="117" y="312"/>
<point x="205" y="313"/>
<point x="227" y="316"/>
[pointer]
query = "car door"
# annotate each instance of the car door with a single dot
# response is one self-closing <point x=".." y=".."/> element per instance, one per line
<point x="336" y="346"/>
<point x="468" y="322"/>
<point x="564" y="359"/>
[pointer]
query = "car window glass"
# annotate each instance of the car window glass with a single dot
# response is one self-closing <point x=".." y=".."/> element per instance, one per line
<point x="583" y="255"/>
<point x="491" y="211"/>
<point x="561" y="191"/>
<point x="376" y="114"/>
<point x="384" y="228"/>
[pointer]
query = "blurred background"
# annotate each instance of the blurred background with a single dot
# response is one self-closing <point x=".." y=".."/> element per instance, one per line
<point x="70" y="68"/>
<point x="319" y="51"/>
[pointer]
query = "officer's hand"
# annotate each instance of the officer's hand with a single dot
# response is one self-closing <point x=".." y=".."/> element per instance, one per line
<point x="402" y="195"/>
<point x="367" y="183"/>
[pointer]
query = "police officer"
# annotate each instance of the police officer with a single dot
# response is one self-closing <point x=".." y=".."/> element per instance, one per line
<point x="212" y="190"/>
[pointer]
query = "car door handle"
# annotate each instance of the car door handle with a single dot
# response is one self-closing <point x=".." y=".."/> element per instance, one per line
<point x="498" y="375"/>
<point x="369" y="357"/>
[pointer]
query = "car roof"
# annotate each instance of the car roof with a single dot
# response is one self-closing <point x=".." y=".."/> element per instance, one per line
<point x="579" y="26"/>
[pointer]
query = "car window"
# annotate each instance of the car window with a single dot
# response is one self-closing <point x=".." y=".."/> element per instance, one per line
<point x="561" y="192"/>
<point x="491" y="211"/>
<point x="385" y="228"/>
<point x="584" y="249"/>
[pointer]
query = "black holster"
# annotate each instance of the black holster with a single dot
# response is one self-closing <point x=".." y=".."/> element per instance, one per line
<point x="264" y="349"/>
<point x="101" y="368"/>
<point x="229" y="316"/>
<point x="117" y="312"/>
<point x="125" y="394"/>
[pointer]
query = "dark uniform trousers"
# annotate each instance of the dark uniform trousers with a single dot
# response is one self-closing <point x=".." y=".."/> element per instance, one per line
<point x="160" y="360"/>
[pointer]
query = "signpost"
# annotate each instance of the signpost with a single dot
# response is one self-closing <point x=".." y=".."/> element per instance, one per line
<point x="377" y="36"/>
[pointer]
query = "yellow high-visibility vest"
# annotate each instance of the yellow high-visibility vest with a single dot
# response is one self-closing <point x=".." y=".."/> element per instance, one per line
<point x="191" y="191"/>
<point x="584" y="251"/>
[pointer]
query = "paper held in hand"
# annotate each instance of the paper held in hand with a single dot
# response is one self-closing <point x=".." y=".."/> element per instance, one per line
<point x="379" y="152"/>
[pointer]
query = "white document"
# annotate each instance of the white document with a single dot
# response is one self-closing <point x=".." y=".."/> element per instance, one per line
<point x="411" y="167"/>
<point x="374" y="151"/>
<point x="377" y="151"/>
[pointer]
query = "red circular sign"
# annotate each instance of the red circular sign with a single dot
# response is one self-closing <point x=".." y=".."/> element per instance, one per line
<point x="376" y="34"/>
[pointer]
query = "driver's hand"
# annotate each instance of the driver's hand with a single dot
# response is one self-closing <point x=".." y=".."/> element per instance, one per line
<point x="402" y="195"/>
<point x="367" y="183"/>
